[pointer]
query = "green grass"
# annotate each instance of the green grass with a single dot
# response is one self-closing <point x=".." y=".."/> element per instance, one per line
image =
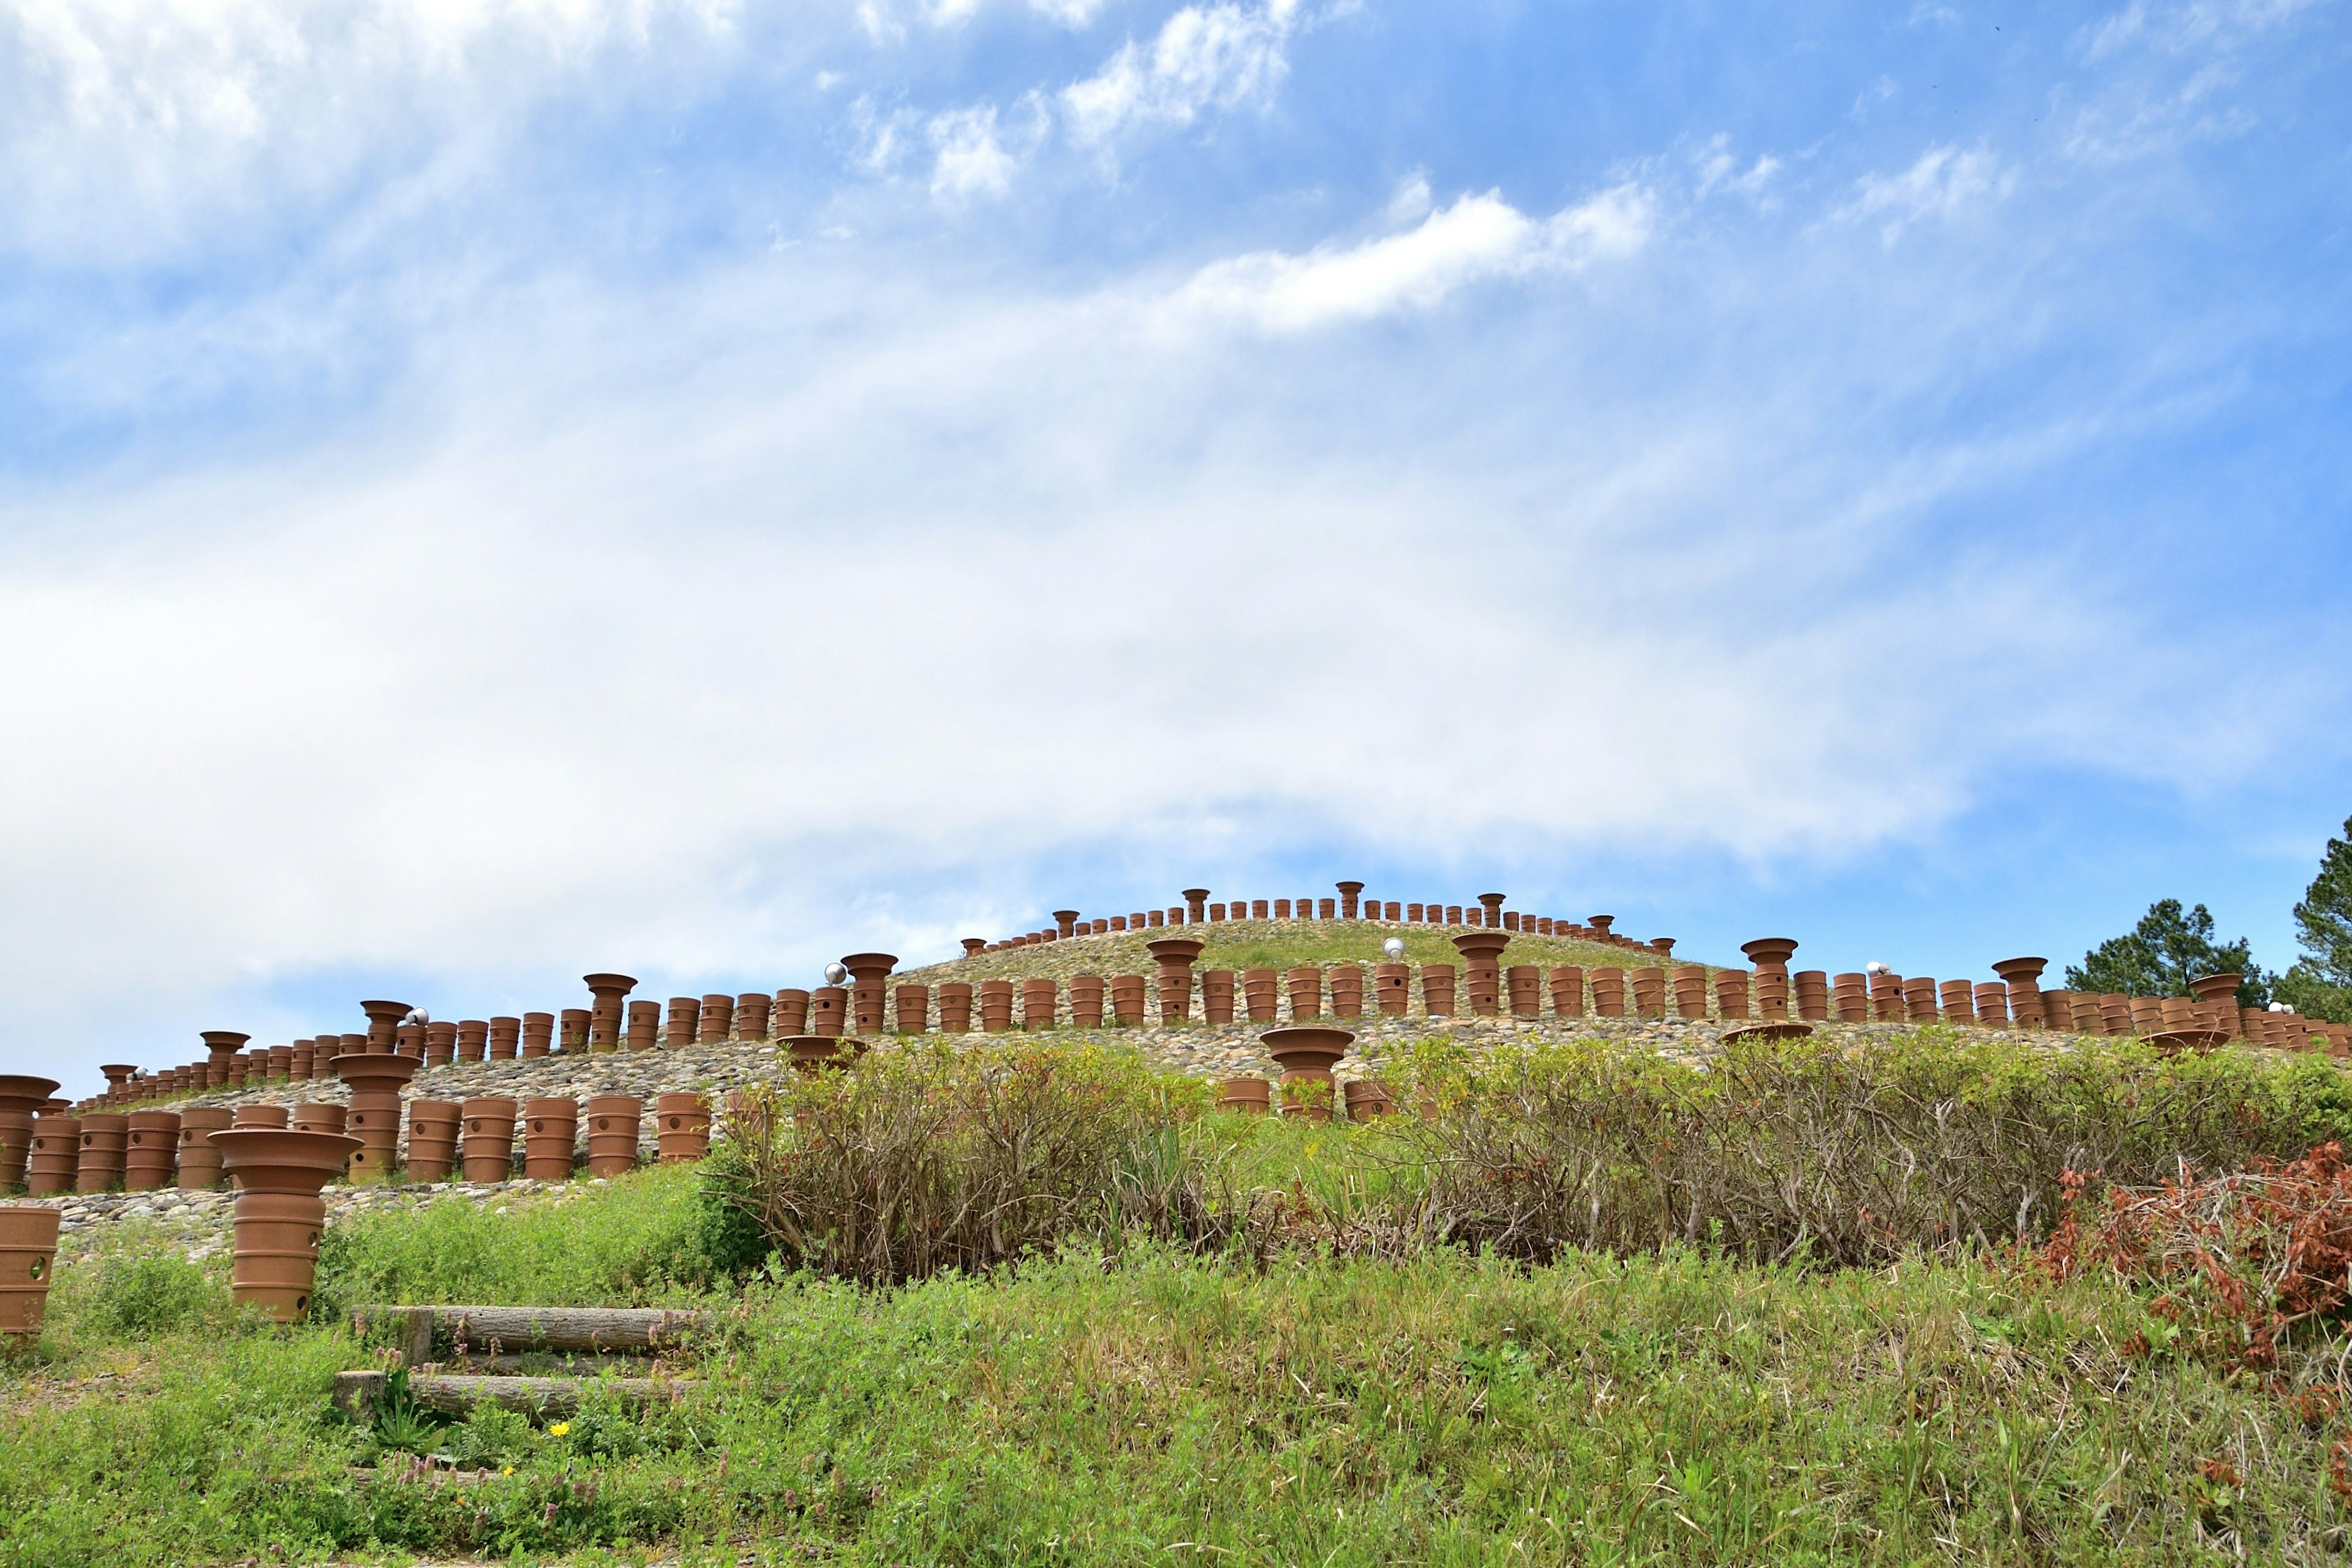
<point x="1267" y="944"/>
<point x="1675" y="1408"/>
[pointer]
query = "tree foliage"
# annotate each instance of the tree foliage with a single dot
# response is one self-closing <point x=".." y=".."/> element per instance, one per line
<point x="2319" y="983"/>
<point x="2167" y="949"/>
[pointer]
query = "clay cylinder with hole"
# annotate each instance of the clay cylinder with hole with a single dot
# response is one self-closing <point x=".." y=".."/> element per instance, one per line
<point x="682" y="1127"/>
<point x="29" y="1255"/>
<point x="550" y="1129"/>
<point x="54" y="1158"/>
<point x="613" y="1126"/>
<point x="200" y="1165"/>
<point x="152" y="1153"/>
<point x="104" y="1136"/>
<point x="487" y="1135"/>
<point x="433" y="1139"/>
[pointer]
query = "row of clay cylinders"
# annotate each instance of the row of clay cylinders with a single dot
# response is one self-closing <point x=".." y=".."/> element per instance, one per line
<point x="142" y="1151"/>
<point x="550" y="1130"/>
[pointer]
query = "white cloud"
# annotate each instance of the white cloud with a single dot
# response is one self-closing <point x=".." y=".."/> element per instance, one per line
<point x="1068" y="13"/>
<point x="1718" y="170"/>
<point x="1477" y="238"/>
<point x="127" y="126"/>
<point x="1943" y="183"/>
<point x="970" y="161"/>
<point x="1204" y="57"/>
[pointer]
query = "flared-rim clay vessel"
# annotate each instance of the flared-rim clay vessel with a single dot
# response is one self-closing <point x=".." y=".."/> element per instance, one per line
<point x="1168" y="950"/>
<point x="1481" y="947"/>
<point x="376" y="1080"/>
<point x="1769" y="951"/>
<point x="275" y="1248"/>
<point x="1771" y="1029"/>
<point x="812" y="1054"/>
<point x="2021" y="971"/>
<point x="383" y="1023"/>
<point x="28" y="1252"/>
<point x="1307" y="1050"/>
<point x="21" y="1099"/>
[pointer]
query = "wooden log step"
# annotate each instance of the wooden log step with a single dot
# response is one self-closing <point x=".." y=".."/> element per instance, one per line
<point x="491" y="1330"/>
<point x="358" y="1394"/>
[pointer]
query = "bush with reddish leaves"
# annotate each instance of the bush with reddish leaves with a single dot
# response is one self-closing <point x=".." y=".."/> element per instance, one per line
<point x="2250" y="1265"/>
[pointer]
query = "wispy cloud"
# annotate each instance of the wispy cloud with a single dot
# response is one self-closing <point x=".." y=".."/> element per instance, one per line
<point x="1943" y="183"/>
<point x="1203" y="56"/>
<point x="1477" y="238"/>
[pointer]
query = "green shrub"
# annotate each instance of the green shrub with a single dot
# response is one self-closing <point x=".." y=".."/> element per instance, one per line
<point x="1833" y="1153"/>
<point x="938" y="1155"/>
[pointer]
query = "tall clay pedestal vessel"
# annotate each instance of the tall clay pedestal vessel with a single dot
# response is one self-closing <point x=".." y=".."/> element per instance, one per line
<point x="220" y="1045"/>
<point x="376" y="1080"/>
<point x="868" y="971"/>
<point x="21" y="1099"/>
<point x="28" y="1251"/>
<point x="2217" y="999"/>
<point x="1482" y="955"/>
<point x="1175" y="955"/>
<point x="1306" y="1055"/>
<point x="2023" y="978"/>
<point x="279" y="1213"/>
<point x="605" y="1012"/>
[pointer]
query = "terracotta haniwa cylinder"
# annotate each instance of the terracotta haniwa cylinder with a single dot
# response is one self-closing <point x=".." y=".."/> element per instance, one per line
<point x="1217" y="986"/>
<point x="316" y="1116"/>
<point x="995" y="1006"/>
<point x="613" y="1121"/>
<point x="29" y="1255"/>
<point x="279" y="1215"/>
<point x="1992" y="1003"/>
<point x="789" y="1015"/>
<point x="751" y="1010"/>
<point x="440" y="1044"/>
<point x="200" y="1163"/>
<point x="21" y="1099"/>
<point x="1812" y="989"/>
<point x="550" y="1129"/>
<point x="1304" y="983"/>
<point x="1039" y="1000"/>
<point x="645" y="1026"/>
<point x="506" y="1038"/>
<point x="104" y="1136"/>
<point x="682" y="1127"/>
<point x="829" y="1010"/>
<point x="1437" y="990"/>
<point x="1127" y="994"/>
<point x="1608" y="984"/>
<point x="54" y="1159"/>
<point x="1731" y="995"/>
<point x="1649" y="987"/>
<point x="1959" y="1002"/>
<point x="1367" y="1099"/>
<point x="1347" y="983"/>
<point x="1253" y="1095"/>
<point x="1525" y="982"/>
<point x="473" y="1039"/>
<point x="538" y="1035"/>
<point x="1567" y="991"/>
<point x="260" y="1116"/>
<point x="1261" y="994"/>
<point x="487" y="1149"/>
<point x="376" y="1081"/>
<point x="1393" y="989"/>
<point x="955" y="1007"/>
<point x="912" y="1004"/>
<point x="433" y="1139"/>
<point x="573" y="1029"/>
<point x="1690" y="990"/>
<point x="1085" y="1001"/>
<point x="152" y="1153"/>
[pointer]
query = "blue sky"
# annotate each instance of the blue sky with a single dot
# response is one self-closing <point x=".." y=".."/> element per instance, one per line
<point x="490" y="491"/>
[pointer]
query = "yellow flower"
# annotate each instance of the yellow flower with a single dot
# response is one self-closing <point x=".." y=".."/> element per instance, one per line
<point x="508" y="1471"/>
<point x="559" y="1429"/>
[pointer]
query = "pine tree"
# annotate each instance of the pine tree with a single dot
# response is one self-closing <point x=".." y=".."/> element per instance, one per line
<point x="2319" y="983"/>
<point x="2164" y="952"/>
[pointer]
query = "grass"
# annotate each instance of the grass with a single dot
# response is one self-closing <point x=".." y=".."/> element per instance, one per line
<point x="1670" y="1408"/>
<point x="1266" y="945"/>
<point x="1118" y="1399"/>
